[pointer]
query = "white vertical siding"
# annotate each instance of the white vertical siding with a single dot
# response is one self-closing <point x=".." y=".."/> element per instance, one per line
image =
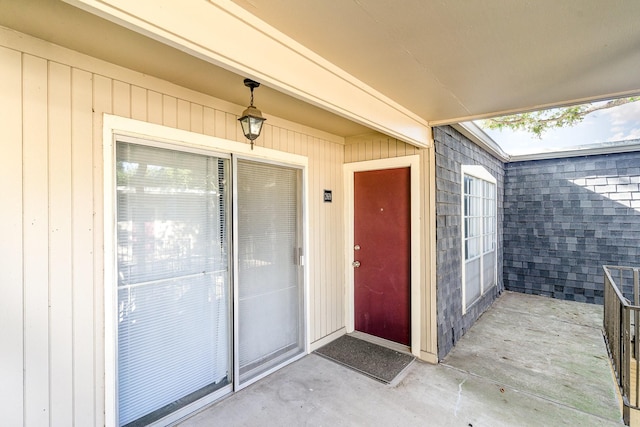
<point x="35" y="203"/>
<point x="102" y="103"/>
<point x="316" y="252"/>
<point x="376" y="147"/>
<point x="82" y="280"/>
<point x="429" y="338"/>
<point x="11" y="244"/>
<point x="139" y="103"/>
<point x="154" y="107"/>
<point x="60" y="245"/>
<point x="51" y="165"/>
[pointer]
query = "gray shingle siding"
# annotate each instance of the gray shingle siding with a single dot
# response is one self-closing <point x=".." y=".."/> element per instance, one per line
<point x="565" y="218"/>
<point x="559" y="221"/>
<point x="452" y="150"/>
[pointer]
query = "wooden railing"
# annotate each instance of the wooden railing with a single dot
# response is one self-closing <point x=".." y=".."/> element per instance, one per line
<point x="621" y="331"/>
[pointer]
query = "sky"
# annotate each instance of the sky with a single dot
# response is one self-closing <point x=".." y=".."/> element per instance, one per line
<point x="614" y="124"/>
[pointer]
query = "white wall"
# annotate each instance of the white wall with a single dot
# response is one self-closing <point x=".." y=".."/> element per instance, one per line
<point x="51" y="311"/>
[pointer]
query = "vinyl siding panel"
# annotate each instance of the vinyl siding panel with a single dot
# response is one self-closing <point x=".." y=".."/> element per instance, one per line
<point x="376" y="147"/>
<point x="11" y="244"/>
<point x="154" y="107"/>
<point x="139" y="103"/>
<point x="60" y="244"/>
<point x="102" y="103"/>
<point x="35" y="231"/>
<point x="82" y="256"/>
<point x="429" y="338"/>
<point x="52" y="170"/>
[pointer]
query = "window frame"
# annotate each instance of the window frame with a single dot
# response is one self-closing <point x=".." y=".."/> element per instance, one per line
<point x="480" y="173"/>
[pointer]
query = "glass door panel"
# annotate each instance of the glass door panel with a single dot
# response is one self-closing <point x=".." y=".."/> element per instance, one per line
<point x="173" y="290"/>
<point x="269" y="286"/>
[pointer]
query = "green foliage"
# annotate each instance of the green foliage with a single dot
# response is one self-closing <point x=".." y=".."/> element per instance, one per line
<point x="538" y="122"/>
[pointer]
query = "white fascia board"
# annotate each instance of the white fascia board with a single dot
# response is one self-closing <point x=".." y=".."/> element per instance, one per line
<point x="480" y="138"/>
<point x="581" y="151"/>
<point x="224" y="34"/>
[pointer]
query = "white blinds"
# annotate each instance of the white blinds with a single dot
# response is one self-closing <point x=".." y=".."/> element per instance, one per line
<point x="269" y="290"/>
<point x="173" y="281"/>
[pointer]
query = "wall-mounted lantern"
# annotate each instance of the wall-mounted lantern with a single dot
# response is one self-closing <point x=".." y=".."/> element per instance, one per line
<point x="251" y="119"/>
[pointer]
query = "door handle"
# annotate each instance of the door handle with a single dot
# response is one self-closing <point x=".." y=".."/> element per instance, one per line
<point x="355" y="264"/>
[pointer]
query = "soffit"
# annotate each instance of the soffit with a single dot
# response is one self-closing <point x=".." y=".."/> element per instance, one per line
<point x="73" y="28"/>
<point x="449" y="61"/>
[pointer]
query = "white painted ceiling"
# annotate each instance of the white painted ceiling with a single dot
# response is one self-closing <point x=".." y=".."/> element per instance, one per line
<point x="452" y="60"/>
<point x="444" y="60"/>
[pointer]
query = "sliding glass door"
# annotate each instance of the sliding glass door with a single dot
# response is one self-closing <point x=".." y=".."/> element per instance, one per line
<point x="195" y="310"/>
<point x="270" y="315"/>
<point x="173" y="290"/>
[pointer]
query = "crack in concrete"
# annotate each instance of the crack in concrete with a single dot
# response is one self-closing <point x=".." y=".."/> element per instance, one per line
<point x="455" y="410"/>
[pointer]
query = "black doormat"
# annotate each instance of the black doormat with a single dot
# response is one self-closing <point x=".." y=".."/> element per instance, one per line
<point x="380" y="363"/>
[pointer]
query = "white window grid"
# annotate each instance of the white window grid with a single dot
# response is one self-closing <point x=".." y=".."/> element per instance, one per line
<point x="479" y="216"/>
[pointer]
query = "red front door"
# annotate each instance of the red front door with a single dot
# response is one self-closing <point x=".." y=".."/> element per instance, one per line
<point x="382" y="238"/>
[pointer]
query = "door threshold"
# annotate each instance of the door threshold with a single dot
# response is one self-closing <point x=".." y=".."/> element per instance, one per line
<point x="381" y="342"/>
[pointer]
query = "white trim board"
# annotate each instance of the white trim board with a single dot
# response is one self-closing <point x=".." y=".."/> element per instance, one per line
<point x="315" y="80"/>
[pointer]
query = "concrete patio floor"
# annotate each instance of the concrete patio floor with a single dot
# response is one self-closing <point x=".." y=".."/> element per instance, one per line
<point x="528" y="361"/>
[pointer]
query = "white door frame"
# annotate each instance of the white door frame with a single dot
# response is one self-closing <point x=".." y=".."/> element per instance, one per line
<point x="349" y="169"/>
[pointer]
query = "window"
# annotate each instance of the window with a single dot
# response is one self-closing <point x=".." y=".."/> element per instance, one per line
<point x="479" y="233"/>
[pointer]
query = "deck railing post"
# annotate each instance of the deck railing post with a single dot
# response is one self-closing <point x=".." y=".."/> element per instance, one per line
<point x="636" y="286"/>
<point x="626" y="355"/>
<point x="636" y="337"/>
<point x="622" y="332"/>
